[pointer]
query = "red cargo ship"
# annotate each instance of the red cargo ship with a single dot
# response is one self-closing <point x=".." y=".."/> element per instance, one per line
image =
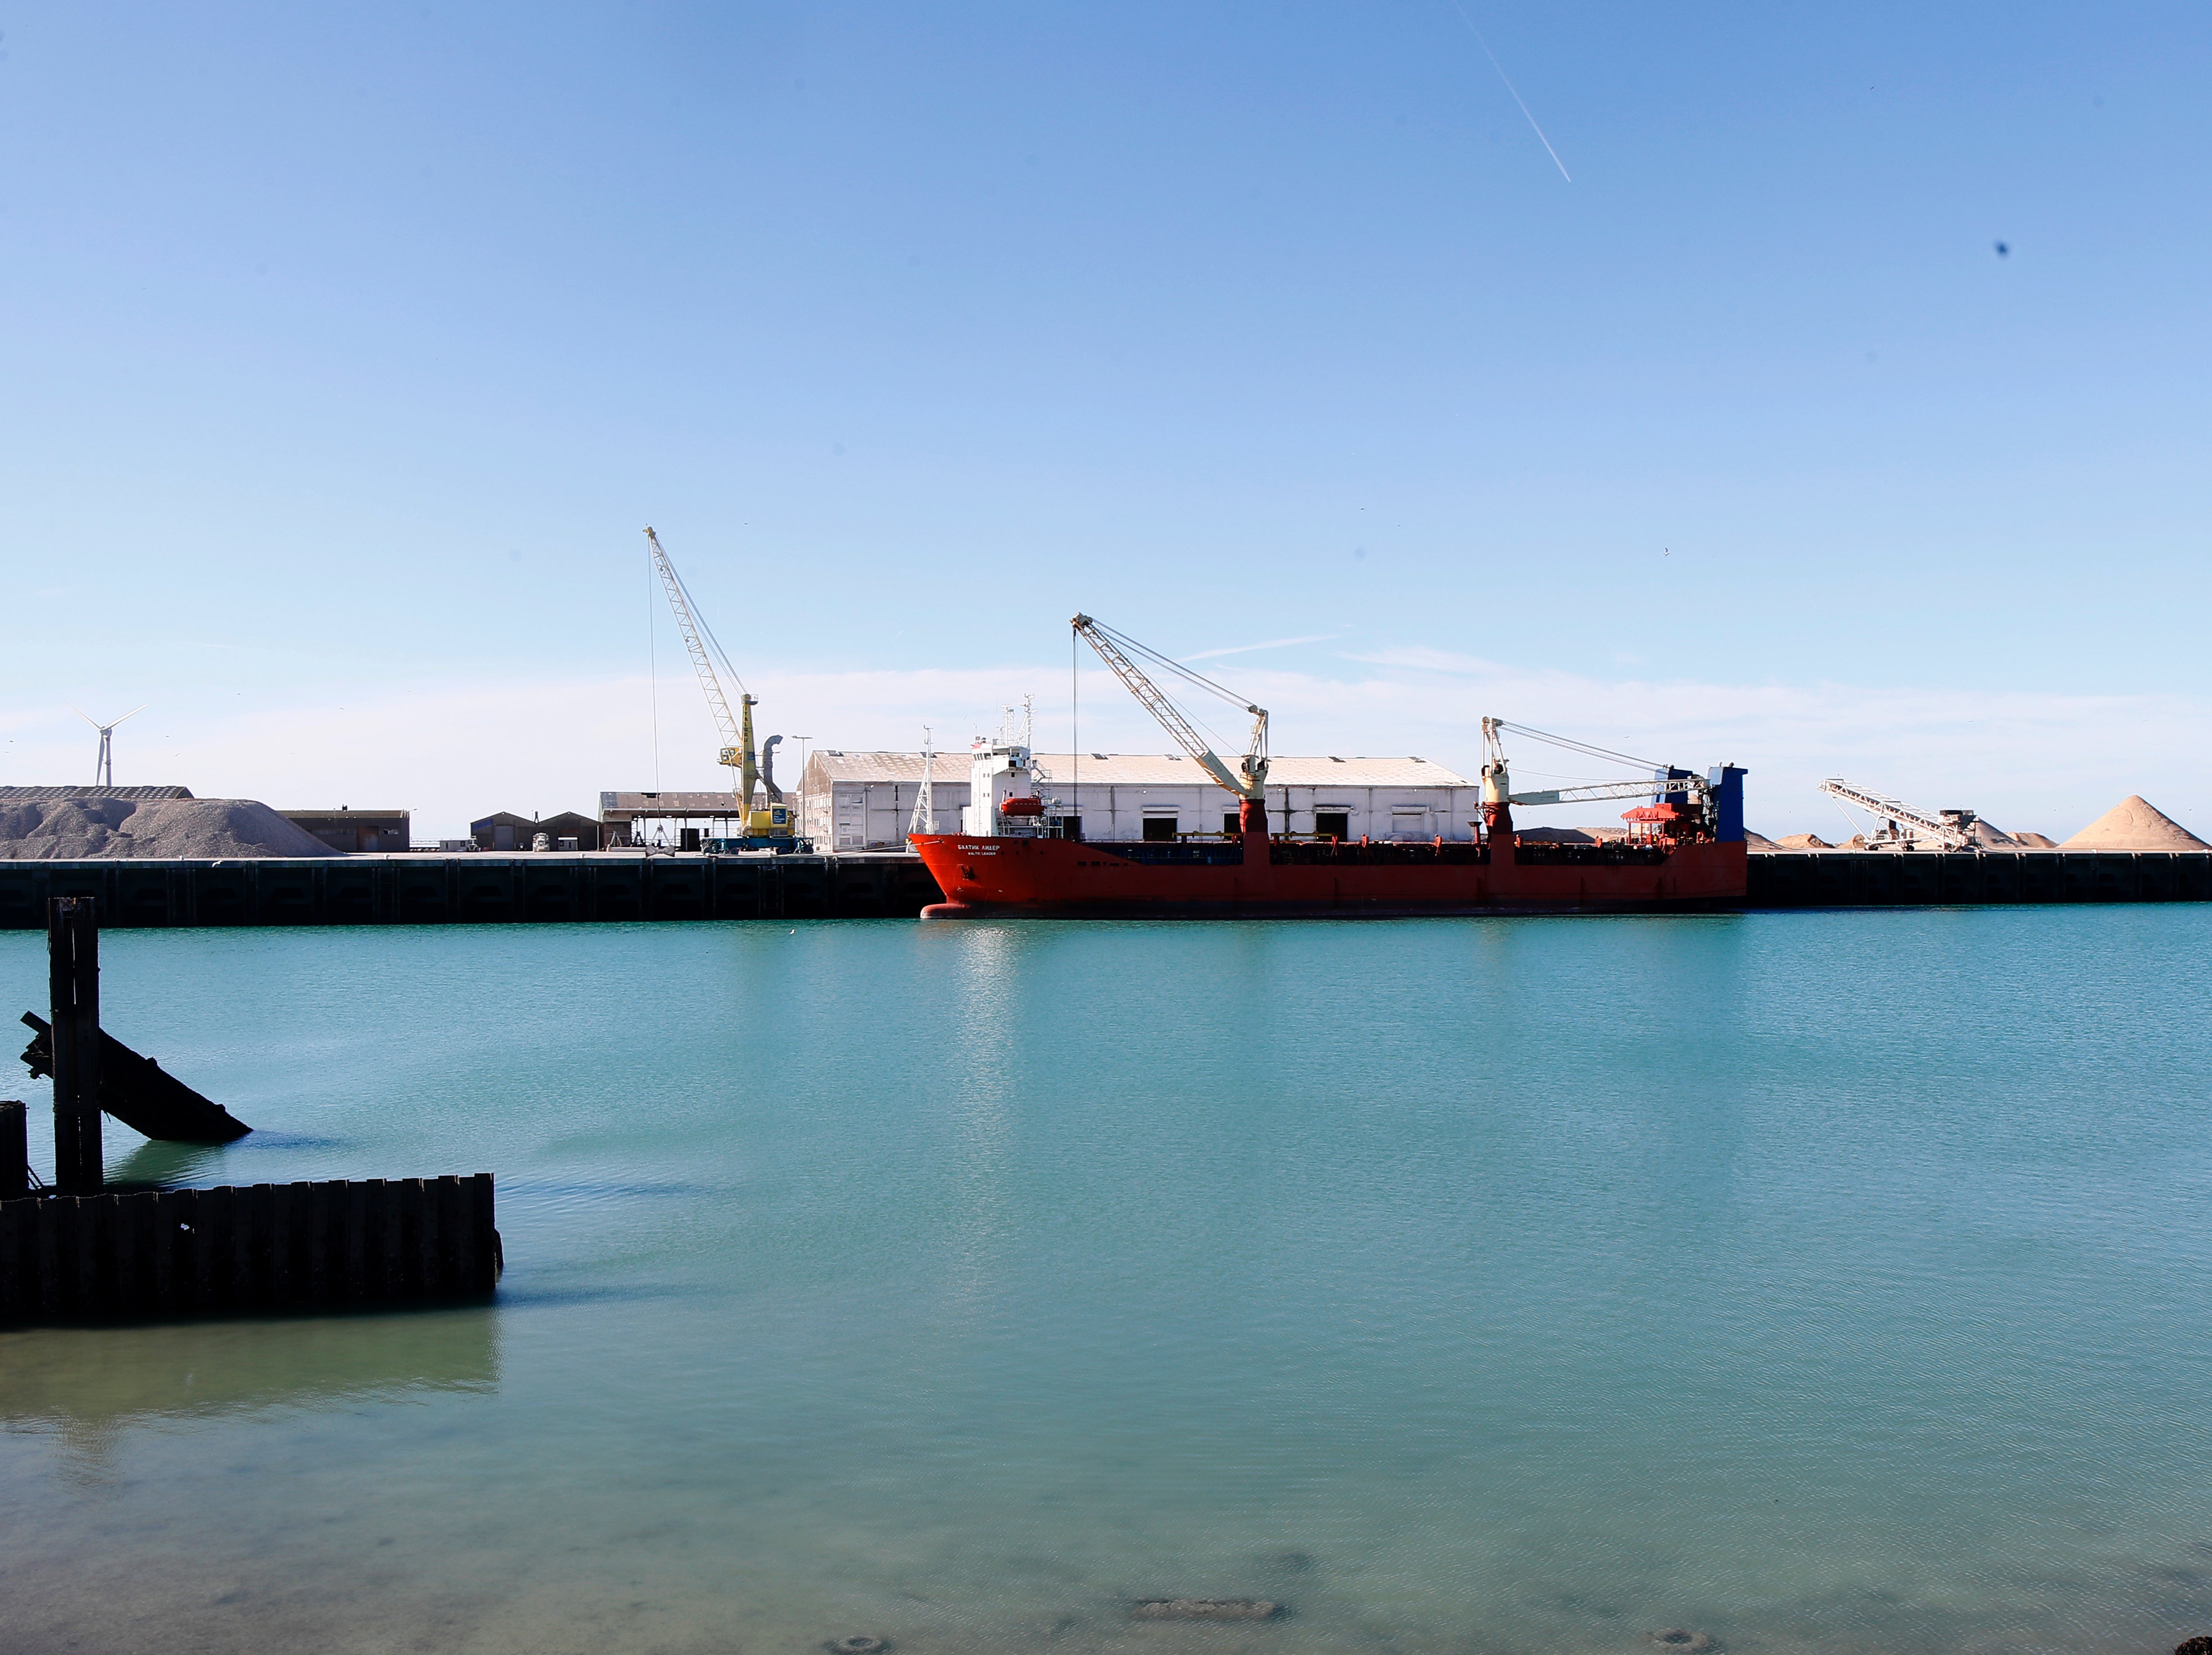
<point x="1023" y="854"/>
<point x="1260" y="876"/>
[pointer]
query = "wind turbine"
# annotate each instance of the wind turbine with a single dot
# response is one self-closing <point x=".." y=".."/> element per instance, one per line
<point x="103" y="773"/>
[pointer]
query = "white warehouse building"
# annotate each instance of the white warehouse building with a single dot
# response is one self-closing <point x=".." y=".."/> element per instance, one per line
<point x="865" y="801"/>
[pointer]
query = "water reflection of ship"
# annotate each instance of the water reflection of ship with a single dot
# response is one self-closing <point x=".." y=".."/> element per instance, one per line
<point x="89" y="1382"/>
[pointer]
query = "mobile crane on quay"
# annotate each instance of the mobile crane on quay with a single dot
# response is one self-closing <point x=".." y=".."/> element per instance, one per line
<point x="763" y="827"/>
<point x="1016" y="859"/>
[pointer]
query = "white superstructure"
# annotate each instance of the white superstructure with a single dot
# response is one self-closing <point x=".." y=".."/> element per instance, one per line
<point x="998" y="770"/>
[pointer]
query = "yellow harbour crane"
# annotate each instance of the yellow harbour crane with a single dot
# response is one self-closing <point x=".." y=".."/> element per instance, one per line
<point x="761" y="826"/>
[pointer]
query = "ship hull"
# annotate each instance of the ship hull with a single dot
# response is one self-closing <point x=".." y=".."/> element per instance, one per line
<point x="1072" y="879"/>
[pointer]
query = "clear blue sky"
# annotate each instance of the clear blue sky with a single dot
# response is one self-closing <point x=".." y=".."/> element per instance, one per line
<point x="347" y="349"/>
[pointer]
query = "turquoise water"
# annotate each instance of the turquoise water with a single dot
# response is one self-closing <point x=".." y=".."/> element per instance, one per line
<point x="1834" y="1282"/>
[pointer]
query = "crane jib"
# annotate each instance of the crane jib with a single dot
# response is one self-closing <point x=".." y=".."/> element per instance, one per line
<point x="1106" y="643"/>
<point x="737" y="730"/>
<point x="1613" y="790"/>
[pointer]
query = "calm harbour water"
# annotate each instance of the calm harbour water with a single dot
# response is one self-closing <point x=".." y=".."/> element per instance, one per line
<point x="1834" y="1282"/>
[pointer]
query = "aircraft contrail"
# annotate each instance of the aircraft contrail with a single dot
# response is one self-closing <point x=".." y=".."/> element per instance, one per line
<point x="1272" y="642"/>
<point x="1502" y="75"/>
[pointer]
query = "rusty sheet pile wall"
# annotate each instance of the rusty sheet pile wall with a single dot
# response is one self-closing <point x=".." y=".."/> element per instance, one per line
<point x="1846" y="879"/>
<point x="246" y="1248"/>
<point x="471" y="889"/>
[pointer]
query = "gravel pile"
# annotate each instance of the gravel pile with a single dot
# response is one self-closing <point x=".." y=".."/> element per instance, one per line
<point x="2134" y="825"/>
<point x="1573" y="835"/>
<point x="193" y="830"/>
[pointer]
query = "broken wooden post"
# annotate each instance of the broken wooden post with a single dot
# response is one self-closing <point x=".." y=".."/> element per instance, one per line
<point x="138" y="1091"/>
<point x="73" y="972"/>
<point x="14" y="1150"/>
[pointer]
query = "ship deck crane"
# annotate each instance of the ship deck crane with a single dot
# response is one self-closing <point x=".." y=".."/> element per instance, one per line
<point x="1498" y="794"/>
<point x="1902" y="825"/>
<point x="1249" y="780"/>
<point x="768" y="828"/>
<point x="1613" y="790"/>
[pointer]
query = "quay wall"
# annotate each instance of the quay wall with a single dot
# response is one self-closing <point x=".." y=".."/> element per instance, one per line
<point x="416" y="890"/>
<point x="1859" y="879"/>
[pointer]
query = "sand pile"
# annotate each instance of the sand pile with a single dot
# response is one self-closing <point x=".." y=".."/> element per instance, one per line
<point x="1802" y="842"/>
<point x="2133" y="825"/>
<point x="1571" y="835"/>
<point x="71" y="829"/>
<point x="2034" y="842"/>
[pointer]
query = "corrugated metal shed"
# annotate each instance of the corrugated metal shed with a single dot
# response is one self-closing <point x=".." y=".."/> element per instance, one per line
<point x="136" y="795"/>
<point x="629" y="807"/>
<point x="349" y="830"/>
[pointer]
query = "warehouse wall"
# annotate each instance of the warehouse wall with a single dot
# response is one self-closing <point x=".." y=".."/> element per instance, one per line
<point x="874" y="816"/>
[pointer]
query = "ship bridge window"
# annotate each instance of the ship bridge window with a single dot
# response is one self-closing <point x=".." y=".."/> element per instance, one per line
<point x="1333" y="824"/>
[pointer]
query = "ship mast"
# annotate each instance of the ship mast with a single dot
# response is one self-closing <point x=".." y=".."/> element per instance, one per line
<point x="923" y="819"/>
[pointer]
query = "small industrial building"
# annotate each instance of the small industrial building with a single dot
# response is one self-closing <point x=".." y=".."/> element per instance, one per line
<point x="505" y="831"/>
<point x="348" y="829"/>
<point x="676" y="820"/>
<point x="865" y="801"/>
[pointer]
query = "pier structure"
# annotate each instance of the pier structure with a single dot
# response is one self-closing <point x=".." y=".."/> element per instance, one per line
<point x="1893" y="879"/>
<point x="423" y="889"/>
<point x="81" y="1250"/>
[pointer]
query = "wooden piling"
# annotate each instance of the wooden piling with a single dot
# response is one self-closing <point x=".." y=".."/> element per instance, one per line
<point x="73" y="978"/>
<point x="14" y="1150"/>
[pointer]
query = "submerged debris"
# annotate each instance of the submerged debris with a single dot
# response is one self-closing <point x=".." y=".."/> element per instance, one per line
<point x="860" y="1644"/>
<point x="1205" y="1609"/>
<point x="1687" y="1642"/>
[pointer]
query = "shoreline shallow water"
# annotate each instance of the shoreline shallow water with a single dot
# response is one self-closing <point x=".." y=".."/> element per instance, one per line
<point x="1810" y="1281"/>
